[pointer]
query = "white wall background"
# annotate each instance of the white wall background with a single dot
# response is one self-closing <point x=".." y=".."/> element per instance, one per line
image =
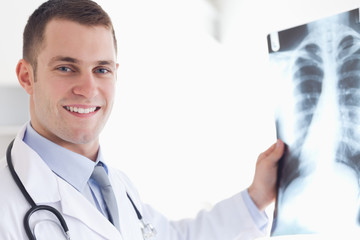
<point x="192" y="113"/>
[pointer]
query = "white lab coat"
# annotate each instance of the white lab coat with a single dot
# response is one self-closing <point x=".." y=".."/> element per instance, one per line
<point x="228" y="220"/>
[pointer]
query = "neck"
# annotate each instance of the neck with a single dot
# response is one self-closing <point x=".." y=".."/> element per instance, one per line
<point x="86" y="148"/>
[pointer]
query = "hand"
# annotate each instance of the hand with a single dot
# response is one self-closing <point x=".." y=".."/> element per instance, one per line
<point x="263" y="188"/>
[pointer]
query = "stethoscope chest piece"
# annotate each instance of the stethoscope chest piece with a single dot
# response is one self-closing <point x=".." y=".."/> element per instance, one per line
<point x="148" y="231"/>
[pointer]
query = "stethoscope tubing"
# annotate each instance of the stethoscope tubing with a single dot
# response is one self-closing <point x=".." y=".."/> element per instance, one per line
<point x="47" y="208"/>
<point x="16" y="177"/>
<point x="34" y="206"/>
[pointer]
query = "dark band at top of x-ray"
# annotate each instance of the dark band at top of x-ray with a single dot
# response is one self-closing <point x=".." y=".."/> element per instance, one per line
<point x="322" y="66"/>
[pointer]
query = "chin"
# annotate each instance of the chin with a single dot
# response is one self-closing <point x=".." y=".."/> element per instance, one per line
<point x="80" y="138"/>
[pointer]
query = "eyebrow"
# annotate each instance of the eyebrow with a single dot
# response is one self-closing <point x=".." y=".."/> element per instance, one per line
<point x="106" y="62"/>
<point x="63" y="59"/>
<point x="76" y="61"/>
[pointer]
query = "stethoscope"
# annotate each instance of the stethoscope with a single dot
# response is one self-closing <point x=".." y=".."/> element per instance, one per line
<point x="148" y="231"/>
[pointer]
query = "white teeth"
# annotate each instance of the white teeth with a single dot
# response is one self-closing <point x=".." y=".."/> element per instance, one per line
<point x="81" y="110"/>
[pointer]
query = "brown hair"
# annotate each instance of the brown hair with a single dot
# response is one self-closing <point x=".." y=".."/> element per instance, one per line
<point x="85" y="12"/>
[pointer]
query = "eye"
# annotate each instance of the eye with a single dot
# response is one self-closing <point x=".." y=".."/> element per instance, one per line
<point x="102" y="70"/>
<point x="64" y="69"/>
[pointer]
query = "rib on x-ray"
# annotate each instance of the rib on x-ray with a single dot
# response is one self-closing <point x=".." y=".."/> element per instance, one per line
<point x="316" y="66"/>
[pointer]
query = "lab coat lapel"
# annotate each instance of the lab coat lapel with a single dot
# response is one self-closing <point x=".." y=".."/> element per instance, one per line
<point x="75" y="205"/>
<point x="129" y="223"/>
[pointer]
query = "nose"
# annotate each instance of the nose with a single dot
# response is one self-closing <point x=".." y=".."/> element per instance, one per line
<point x="86" y="86"/>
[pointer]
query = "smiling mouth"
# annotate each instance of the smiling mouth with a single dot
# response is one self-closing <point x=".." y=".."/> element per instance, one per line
<point x="82" y="110"/>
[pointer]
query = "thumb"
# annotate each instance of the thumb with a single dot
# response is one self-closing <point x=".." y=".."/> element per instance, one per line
<point x="274" y="152"/>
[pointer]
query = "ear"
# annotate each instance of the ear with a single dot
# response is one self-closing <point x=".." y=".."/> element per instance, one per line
<point x="25" y="75"/>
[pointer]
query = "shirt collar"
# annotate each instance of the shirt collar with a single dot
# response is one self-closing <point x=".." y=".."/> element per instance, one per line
<point x="70" y="166"/>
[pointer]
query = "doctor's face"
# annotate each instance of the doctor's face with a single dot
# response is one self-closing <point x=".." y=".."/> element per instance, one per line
<point x="72" y="89"/>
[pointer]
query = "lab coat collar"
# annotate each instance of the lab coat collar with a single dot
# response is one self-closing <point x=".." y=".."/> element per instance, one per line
<point x="37" y="176"/>
<point x="33" y="172"/>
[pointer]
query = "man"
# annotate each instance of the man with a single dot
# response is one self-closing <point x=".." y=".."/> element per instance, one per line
<point x="69" y="71"/>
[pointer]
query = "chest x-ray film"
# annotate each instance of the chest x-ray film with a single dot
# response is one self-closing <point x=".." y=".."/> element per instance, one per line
<point x="316" y="67"/>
